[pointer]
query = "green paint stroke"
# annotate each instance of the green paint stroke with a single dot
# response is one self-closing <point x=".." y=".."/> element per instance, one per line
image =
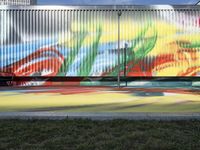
<point x="115" y="71"/>
<point x="78" y="38"/>
<point x="141" y="46"/>
<point x="145" y="44"/>
<point x="184" y="44"/>
<point x="88" y="61"/>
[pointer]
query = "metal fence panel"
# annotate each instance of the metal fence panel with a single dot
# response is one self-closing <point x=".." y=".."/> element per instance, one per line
<point x="156" y="41"/>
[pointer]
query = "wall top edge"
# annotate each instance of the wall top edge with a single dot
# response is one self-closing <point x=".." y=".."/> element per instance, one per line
<point x="99" y="7"/>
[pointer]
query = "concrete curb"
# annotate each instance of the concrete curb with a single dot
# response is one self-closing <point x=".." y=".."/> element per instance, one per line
<point x="99" y="116"/>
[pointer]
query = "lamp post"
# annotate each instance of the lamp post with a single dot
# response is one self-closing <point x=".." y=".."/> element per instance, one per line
<point x="125" y="50"/>
<point x="118" y="77"/>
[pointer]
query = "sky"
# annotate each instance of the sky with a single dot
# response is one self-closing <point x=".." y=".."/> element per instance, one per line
<point x="115" y="2"/>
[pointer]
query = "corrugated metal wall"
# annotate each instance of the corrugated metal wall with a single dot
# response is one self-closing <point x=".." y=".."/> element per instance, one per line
<point x="84" y="42"/>
<point x="162" y="42"/>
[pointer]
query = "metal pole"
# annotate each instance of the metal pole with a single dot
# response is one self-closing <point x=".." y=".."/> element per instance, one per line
<point x="125" y="49"/>
<point x="118" y="77"/>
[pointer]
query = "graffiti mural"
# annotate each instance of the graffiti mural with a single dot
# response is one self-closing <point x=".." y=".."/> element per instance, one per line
<point x="99" y="99"/>
<point x="156" y="43"/>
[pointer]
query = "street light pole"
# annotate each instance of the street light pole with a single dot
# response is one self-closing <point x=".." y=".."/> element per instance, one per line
<point x="118" y="77"/>
<point x="125" y="50"/>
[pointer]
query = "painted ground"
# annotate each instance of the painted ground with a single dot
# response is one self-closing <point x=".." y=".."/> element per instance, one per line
<point x="99" y="99"/>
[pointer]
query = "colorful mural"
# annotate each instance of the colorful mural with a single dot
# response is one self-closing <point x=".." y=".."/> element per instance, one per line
<point x="99" y="99"/>
<point x="85" y="43"/>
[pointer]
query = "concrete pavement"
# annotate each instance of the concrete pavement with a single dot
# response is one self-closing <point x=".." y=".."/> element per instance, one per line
<point x="99" y="116"/>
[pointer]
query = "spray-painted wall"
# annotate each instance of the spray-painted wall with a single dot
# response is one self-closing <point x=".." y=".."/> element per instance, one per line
<point x="83" y="41"/>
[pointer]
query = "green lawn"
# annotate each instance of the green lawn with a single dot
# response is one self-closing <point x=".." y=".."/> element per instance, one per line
<point x="87" y="134"/>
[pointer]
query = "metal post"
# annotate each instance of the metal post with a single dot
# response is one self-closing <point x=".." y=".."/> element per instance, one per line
<point x="118" y="77"/>
<point x="125" y="49"/>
